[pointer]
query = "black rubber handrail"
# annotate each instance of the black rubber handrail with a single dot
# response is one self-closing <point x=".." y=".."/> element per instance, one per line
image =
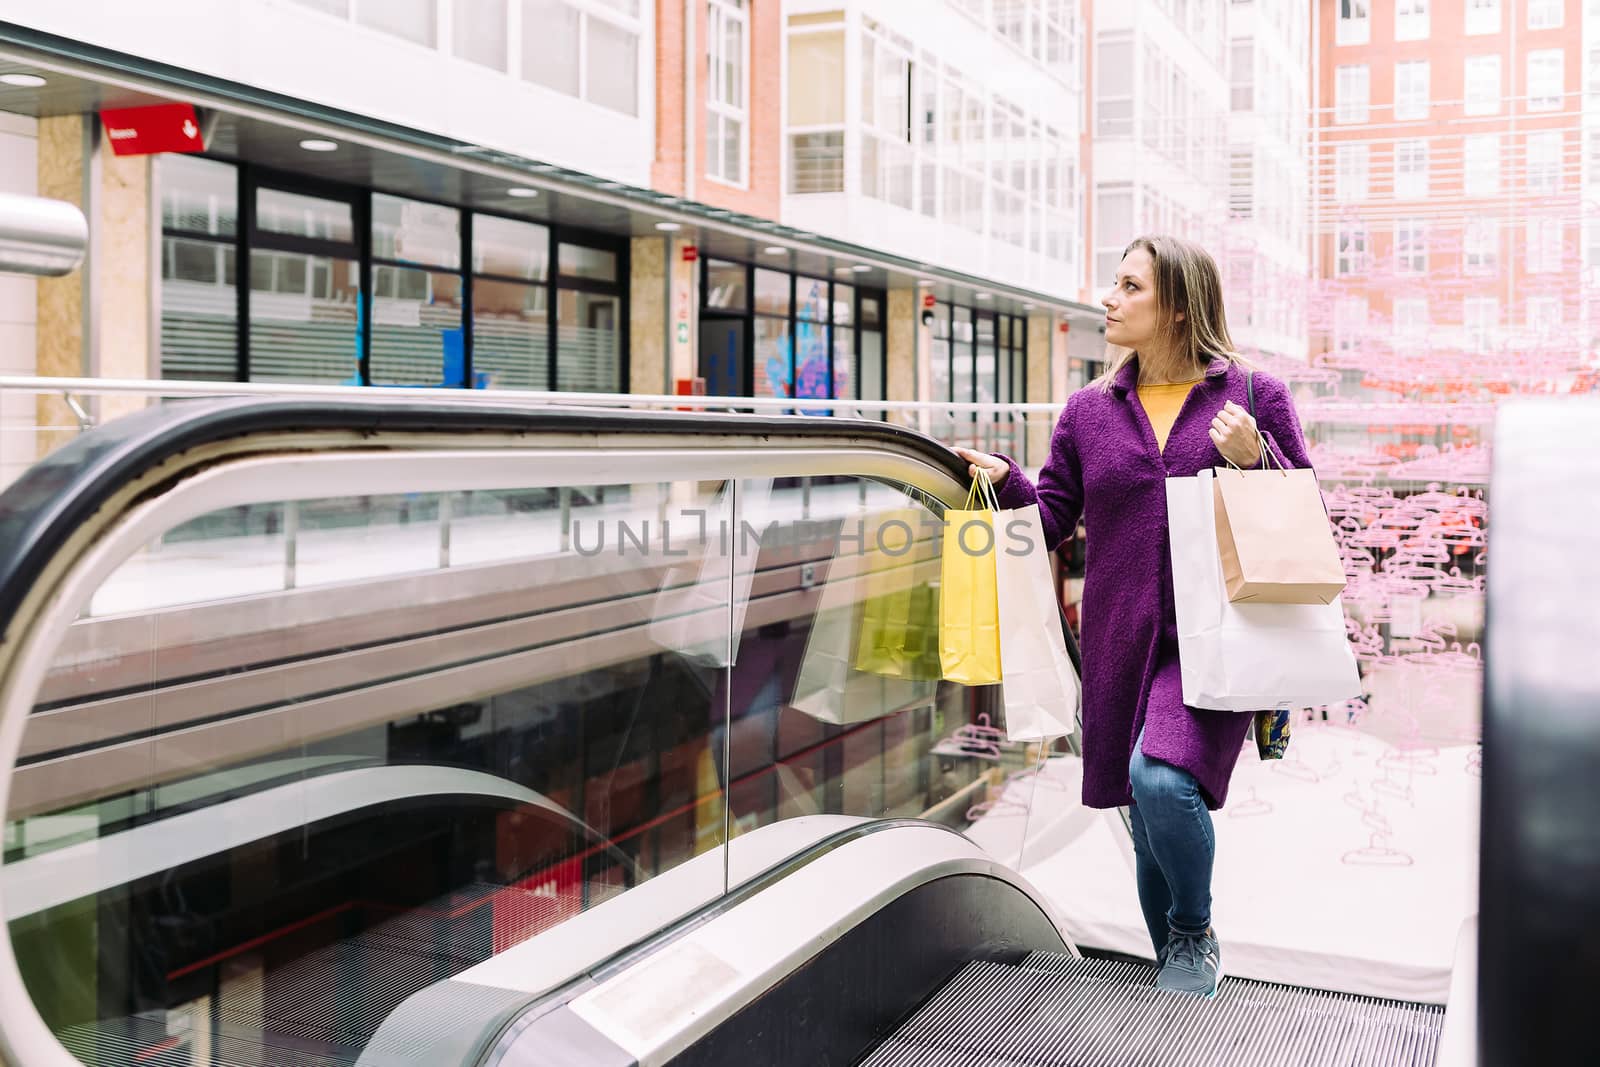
<point x="42" y="509"/>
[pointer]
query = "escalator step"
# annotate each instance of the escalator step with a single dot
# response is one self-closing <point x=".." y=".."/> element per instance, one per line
<point x="1103" y="1013"/>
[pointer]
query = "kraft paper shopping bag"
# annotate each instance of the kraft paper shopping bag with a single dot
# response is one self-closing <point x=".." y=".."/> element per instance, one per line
<point x="1039" y="686"/>
<point x="1274" y="538"/>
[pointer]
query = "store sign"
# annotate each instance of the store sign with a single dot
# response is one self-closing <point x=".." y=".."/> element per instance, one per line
<point x="927" y="300"/>
<point x="690" y="253"/>
<point x="144" y="131"/>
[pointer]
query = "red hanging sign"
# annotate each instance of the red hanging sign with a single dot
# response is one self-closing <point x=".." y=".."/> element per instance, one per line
<point x="143" y="131"/>
<point x="690" y="253"/>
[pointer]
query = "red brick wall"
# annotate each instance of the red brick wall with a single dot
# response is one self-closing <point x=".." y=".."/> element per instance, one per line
<point x="764" y="129"/>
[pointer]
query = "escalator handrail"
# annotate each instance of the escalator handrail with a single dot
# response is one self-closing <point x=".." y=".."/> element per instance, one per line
<point x="54" y="497"/>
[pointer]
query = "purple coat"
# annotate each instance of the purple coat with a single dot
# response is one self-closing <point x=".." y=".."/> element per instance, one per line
<point x="1104" y="465"/>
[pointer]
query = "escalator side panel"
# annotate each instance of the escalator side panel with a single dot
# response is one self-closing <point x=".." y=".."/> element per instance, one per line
<point x="846" y="999"/>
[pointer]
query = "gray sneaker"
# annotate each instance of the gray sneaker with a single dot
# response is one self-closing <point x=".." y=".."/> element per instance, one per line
<point x="1193" y="964"/>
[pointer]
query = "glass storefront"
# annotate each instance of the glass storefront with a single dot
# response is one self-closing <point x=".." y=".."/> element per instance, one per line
<point x="355" y="287"/>
<point x="771" y="333"/>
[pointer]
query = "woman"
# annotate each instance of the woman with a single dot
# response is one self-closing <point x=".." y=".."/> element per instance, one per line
<point x="1174" y="401"/>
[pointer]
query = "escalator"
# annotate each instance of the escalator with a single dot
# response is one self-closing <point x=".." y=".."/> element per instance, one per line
<point x="344" y="733"/>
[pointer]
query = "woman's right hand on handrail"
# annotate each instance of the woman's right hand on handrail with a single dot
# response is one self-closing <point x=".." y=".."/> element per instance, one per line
<point x="998" y="468"/>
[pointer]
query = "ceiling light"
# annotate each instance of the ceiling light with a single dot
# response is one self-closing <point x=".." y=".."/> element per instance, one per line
<point x="521" y="191"/>
<point x="775" y="250"/>
<point x="668" y="227"/>
<point x="860" y="268"/>
<point x="317" y="144"/>
<point x="984" y="296"/>
<point x="22" y="81"/>
<point x="924" y="283"/>
<point x="841" y="270"/>
<point x="1028" y="307"/>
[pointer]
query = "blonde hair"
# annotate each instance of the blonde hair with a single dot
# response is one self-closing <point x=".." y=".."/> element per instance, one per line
<point x="1187" y="281"/>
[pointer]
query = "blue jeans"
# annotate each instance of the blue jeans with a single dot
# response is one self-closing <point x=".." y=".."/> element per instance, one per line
<point x="1173" y="846"/>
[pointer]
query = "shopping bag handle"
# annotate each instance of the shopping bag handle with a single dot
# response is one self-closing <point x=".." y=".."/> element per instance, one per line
<point x="982" y="491"/>
<point x="1268" y="460"/>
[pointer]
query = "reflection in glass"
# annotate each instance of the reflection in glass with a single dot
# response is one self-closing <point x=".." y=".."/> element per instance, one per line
<point x="199" y="310"/>
<point x="772" y="292"/>
<point x="415" y="232"/>
<point x="550" y="45"/>
<point x="510" y="248"/>
<point x="613" y="67"/>
<point x="479" y="32"/>
<point x="416" y="327"/>
<point x="199" y="195"/>
<point x="595" y="264"/>
<point x="298" y="215"/>
<point x="726" y="286"/>
<point x="773" y="352"/>
<point x="587" y="345"/>
<point x="262" y="824"/>
<point x="511" y="334"/>
<point x="303" y="318"/>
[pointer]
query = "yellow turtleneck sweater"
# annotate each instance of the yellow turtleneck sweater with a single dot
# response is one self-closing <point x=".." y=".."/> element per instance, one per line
<point x="1162" y="404"/>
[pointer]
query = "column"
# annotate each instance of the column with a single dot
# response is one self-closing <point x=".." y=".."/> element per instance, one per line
<point x="18" y="305"/>
<point x="904" y="374"/>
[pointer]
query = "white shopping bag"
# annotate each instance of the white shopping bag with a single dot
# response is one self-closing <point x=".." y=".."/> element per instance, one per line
<point x="1246" y="656"/>
<point x="1037" y="681"/>
<point x="693" y="613"/>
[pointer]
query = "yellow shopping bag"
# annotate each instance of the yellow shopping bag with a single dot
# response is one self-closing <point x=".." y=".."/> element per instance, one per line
<point x="899" y="618"/>
<point x="969" y="619"/>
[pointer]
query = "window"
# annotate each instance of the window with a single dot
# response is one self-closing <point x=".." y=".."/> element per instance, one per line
<point x="1543" y="244"/>
<point x="416" y="311"/>
<point x="199" y="261"/>
<point x="1411" y="90"/>
<point x="1411" y="20"/>
<point x="1481" y="164"/>
<point x="1350" y="94"/>
<point x="589" y="54"/>
<point x="1411" y="169"/>
<point x="1543" y="316"/>
<point x="1544" y="162"/>
<point x="1411" y="320"/>
<point x="1480" y="246"/>
<point x="1410" y="246"/>
<point x="478" y="32"/>
<point x="1242" y="57"/>
<point x="1545" y="70"/>
<point x="1479" y="317"/>
<point x="1114" y="89"/>
<point x="1355" y="27"/>
<point x="1349" y="322"/>
<point x="727" y="91"/>
<point x="1545" y="14"/>
<point x="1483" y="16"/>
<point x="510" y="303"/>
<point x="1350" y="173"/>
<point x="1483" y="85"/>
<point x="415" y="20"/>
<point x="1352" y="251"/>
<point x="1113" y="230"/>
<point x="816" y="111"/>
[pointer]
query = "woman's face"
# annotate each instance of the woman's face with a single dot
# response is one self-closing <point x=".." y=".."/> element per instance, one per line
<point x="1132" y="313"/>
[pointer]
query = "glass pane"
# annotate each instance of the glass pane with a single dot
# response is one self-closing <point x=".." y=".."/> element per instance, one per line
<point x="772" y="358"/>
<point x="772" y="292"/>
<point x="199" y="310"/>
<point x="586" y="342"/>
<point x="416" y="328"/>
<point x="304" y="216"/>
<point x="415" y="20"/>
<point x="844" y="304"/>
<point x="514" y="249"/>
<point x="303" y="325"/>
<point x="726" y="286"/>
<point x="871" y="311"/>
<point x="510" y="335"/>
<point x="479" y="32"/>
<point x="550" y="45"/>
<point x="261" y="822"/>
<point x="844" y="361"/>
<point x="576" y="261"/>
<point x="816" y="79"/>
<point x="198" y="195"/>
<point x="813" y="362"/>
<point x="840" y="709"/>
<point x="613" y="67"/>
<point x="812" y="294"/>
<point x="415" y="232"/>
<point x="870" y="372"/>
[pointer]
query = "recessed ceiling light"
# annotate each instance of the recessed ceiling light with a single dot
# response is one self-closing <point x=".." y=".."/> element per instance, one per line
<point x="1028" y="307"/>
<point x="924" y="283"/>
<point x="775" y="250"/>
<point x="668" y="227"/>
<point x="860" y="268"/>
<point x="841" y="270"/>
<point x="22" y="81"/>
<point x="521" y="191"/>
<point x="317" y="144"/>
<point x="983" y="296"/>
